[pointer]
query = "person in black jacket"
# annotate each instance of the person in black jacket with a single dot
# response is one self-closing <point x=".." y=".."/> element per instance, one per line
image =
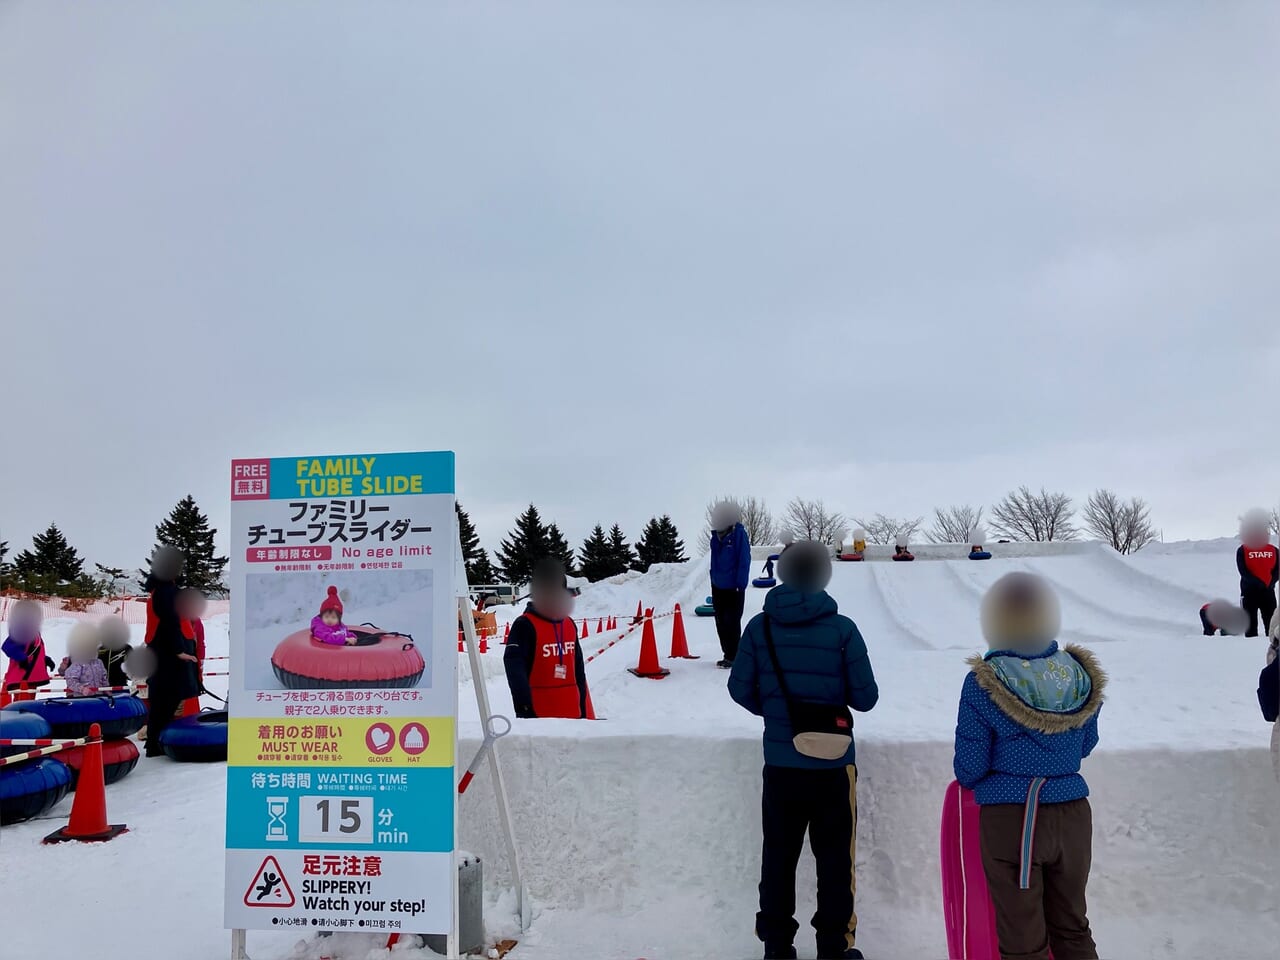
<point x="543" y="659"/>
<point x="1259" y="565"/>
<point x="174" y="679"/>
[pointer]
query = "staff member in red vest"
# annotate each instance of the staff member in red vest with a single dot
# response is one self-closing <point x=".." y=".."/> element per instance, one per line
<point x="1259" y="566"/>
<point x="544" y="662"/>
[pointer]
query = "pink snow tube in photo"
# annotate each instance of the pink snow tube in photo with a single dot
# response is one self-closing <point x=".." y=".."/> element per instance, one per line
<point x="380" y="658"/>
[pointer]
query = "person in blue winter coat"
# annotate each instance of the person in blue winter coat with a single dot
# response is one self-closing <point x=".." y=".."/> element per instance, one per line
<point x="730" y="574"/>
<point x="824" y="660"/>
<point x="1028" y="717"/>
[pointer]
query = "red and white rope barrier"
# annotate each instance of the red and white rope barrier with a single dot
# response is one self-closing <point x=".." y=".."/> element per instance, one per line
<point x="46" y="747"/>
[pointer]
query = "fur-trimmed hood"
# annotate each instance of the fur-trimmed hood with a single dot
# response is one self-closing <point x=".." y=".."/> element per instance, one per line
<point x="1090" y="680"/>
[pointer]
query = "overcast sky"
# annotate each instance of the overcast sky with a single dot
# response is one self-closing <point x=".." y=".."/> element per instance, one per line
<point x="624" y="257"/>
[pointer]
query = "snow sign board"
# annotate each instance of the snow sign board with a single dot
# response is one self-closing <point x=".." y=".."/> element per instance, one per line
<point x="341" y="794"/>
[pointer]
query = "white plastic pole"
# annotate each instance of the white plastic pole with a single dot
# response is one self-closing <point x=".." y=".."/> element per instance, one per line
<point x="495" y="767"/>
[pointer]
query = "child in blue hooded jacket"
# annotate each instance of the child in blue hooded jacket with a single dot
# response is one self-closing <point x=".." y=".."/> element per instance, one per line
<point x="823" y="660"/>
<point x="1028" y="717"/>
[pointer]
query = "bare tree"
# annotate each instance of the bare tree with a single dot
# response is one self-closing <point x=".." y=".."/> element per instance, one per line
<point x="761" y="529"/>
<point x="1038" y="517"/>
<point x="952" y="524"/>
<point x="1275" y="519"/>
<point x="810" y="520"/>
<point x="1126" y="526"/>
<point x="882" y="529"/>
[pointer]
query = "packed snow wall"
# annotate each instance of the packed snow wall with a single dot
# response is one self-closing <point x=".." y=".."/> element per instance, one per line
<point x="663" y="832"/>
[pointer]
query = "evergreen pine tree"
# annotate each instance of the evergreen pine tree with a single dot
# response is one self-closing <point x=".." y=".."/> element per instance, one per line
<point x="479" y="569"/>
<point x="649" y="546"/>
<point x="524" y="548"/>
<point x="660" y="543"/>
<point x="188" y="529"/>
<point x="482" y="571"/>
<point x="558" y="547"/>
<point x="672" y="545"/>
<point x="597" y="558"/>
<point x="52" y="565"/>
<point x="621" y="557"/>
<point x="110" y="579"/>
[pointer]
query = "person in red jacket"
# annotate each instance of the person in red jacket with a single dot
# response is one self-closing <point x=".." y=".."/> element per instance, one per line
<point x="543" y="659"/>
<point x="191" y="607"/>
<point x="1259" y="564"/>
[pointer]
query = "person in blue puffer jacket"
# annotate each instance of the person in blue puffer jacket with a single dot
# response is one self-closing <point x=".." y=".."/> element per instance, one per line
<point x="1028" y="717"/>
<point x="823" y="659"/>
<point x="730" y="574"/>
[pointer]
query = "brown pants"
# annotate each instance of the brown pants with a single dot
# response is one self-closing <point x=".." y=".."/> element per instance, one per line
<point x="1051" y="913"/>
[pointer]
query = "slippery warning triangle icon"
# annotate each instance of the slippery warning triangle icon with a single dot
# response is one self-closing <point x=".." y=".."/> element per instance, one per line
<point x="269" y="888"/>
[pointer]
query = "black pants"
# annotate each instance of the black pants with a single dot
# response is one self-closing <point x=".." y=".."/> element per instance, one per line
<point x="1258" y="601"/>
<point x="1051" y="914"/>
<point x="729" y="604"/>
<point x="161" y="706"/>
<point x="825" y="803"/>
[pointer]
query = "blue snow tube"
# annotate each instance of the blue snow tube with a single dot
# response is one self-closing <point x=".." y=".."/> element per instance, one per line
<point x="198" y="739"/>
<point x="704" y="610"/>
<point x="30" y="788"/>
<point x="118" y="714"/>
<point x="764" y="582"/>
<point x="21" y="726"/>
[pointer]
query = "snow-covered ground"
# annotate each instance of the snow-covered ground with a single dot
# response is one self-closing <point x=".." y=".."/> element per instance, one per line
<point x="640" y="833"/>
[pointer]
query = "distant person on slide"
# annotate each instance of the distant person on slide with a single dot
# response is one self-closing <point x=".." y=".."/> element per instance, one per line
<point x="1028" y="717"/>
<point x="730" y="574"/>
<point x="1259" y="565"/>
<point x="543" y="659"/>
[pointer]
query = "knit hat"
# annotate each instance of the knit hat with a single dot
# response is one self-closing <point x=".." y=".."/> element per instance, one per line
<point x="1020" y="612"/>
<point x="1255" y="527"/>
<point x="331" y="602"/>
<point x="25" y="618"/>
<point x="167" y="563"/>
<point x="806" y="566"/>
<point x="549" y="573"/>
<point x="725" y="515"/>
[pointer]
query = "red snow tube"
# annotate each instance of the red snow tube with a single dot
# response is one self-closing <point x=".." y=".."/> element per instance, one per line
<point x="119" y="757"/>
<point x="849" y="557"/>
<point x="383" y="658"/>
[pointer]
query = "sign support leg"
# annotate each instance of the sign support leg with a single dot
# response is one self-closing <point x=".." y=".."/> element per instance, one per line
<point x="495" y="767"/>
<point x="238" y="945"/>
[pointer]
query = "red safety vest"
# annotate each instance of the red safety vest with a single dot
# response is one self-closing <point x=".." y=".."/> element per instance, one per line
<point x="152" y="622"/>
<point x="1261" y="561"/>
<point x="553" y="681"/>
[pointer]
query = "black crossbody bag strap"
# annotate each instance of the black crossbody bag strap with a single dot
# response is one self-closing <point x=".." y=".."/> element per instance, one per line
<point x="777" y="667"/>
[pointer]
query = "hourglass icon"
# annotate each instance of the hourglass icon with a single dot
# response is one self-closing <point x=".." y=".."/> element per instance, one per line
<point x="277" y="829"/>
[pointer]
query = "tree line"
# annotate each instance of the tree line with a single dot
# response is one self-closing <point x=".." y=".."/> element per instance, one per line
<point x="53" y="567"/>
<point x="602" y="555"/>
<point x="1021" y="515"/>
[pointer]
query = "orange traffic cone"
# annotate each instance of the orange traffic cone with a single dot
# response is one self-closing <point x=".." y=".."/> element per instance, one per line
<point x="461" y="645"/>
<point x="585" y="631"/>
<point x="600" y="626"/>
<point x="591" y="710"/>
<point x="679" y="642"/>
<point x="648" y="666"/>
<point x="506" y="634"/>
<point x="484" y="643"/>
<point x="88" y="821"/>
<point x="639" y="613"/>
<point x="5" y="699"/>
